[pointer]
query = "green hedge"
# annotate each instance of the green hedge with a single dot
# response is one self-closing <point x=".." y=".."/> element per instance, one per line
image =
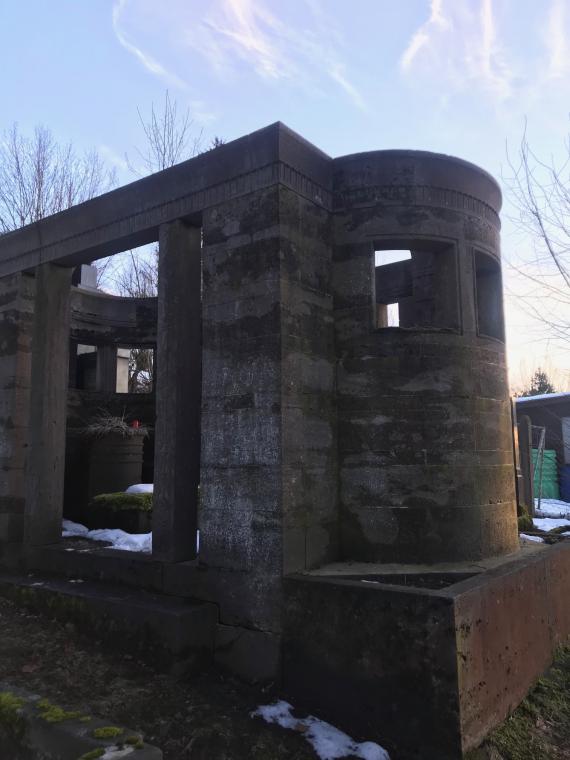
<point x="120" y="501"/>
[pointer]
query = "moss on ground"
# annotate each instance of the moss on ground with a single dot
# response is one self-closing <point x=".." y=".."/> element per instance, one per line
<point x="540" y="727"/>
<point x="10" y="715"/>
<point x="118" y="502"/>
<point x="525" y="522"/>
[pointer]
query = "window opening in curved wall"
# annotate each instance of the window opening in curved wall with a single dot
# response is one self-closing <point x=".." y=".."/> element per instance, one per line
<point x="82" y="366"/>
<point x="488" y="296"/>
<point x="393" y="284"/>
<point x="417" y="287"/>
<point x="137" y="370"/>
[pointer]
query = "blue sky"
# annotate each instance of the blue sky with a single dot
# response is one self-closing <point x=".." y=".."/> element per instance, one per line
<point x="454" y="76"/>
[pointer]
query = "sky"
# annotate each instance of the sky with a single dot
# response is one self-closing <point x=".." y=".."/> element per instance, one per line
<point x="460" y="77"/>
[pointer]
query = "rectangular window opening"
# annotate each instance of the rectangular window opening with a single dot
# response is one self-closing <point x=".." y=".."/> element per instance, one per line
<point x="489" y="296"/>
<point x="135" y="369"/>
<point x="393" y="284"/>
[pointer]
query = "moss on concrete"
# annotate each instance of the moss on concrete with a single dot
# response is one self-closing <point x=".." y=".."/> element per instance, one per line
<point x="107" y="732"/>
<point x="54" y="714"/>
<point x="117" y="502"/>
<point x="93" y="755"/>
<point x="134" y="741"/>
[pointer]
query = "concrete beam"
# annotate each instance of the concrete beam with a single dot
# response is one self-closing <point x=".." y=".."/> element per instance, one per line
<point x="48" y="406"/>
<point x="178" y="393"/>
<point x="131" y="216"/>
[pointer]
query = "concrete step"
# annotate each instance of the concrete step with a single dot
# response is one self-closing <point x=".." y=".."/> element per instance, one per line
<point x="165" y="630"/>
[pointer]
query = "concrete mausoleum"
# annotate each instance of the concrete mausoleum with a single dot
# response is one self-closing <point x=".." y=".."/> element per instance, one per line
<point x="334" y="420"/>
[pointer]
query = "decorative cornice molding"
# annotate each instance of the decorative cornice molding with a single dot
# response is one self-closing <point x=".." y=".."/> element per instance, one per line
<point x="415" y="195"/>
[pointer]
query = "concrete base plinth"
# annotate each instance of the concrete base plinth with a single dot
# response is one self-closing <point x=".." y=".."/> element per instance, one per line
<point x="425" y="660"/>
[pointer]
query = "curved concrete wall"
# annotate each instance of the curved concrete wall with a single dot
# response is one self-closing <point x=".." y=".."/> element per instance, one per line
<point x="426" y="465"/>
<point x="99" y="318"/>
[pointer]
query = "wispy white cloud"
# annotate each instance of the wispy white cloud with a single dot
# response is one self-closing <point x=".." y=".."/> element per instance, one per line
<point x="556" y="40"/>
<point x="113" y="158"/>
<point x="237" y="37"/>
<point x="149" y="63"/>
<point x="422" y="37"/>
<point x="460" y="44"/>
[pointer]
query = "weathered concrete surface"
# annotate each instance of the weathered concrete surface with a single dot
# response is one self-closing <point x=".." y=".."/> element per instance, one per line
<point x="252" y="655"/>
<point x="32" y="727"/>
<point x="163" y="628"/>
<point x="16" y="315"/>
<point x="101" y="319"/>
<point x="268" y="477"/>
<point x="425" y="443"/>
<point x="48" y="400"/>
<point x="426" y="672"/>
<point x="178" y="393"/>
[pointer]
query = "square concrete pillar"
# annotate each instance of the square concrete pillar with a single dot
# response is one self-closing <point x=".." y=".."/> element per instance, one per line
<point x="48" y="406"/>
<point x="106" y="373"/>
<point x="16" y="314"/>
<point x="178" y="393"/>
<point x="268" y="476"/>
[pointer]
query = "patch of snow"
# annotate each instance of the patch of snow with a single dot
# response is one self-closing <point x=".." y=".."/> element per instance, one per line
<point x="328" y="742"/>
<point x="141" y="488"/>
<point x="532" y="539"/>
<point x="541" y="397"/>
<point x="549" y="523"/>
<point x="129" y="542"/>
<point x="114" y="752"/>
<point x="73" y="529"/>
<point x="552" y="508"/>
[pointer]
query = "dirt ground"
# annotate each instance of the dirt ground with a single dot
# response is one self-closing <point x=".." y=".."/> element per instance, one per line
<point x="203" y="718"/>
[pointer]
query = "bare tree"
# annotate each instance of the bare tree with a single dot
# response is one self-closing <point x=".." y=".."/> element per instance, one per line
<point x="168" y="138"/>
<point x="540" y="193"/>
<point x="39" y="177"/>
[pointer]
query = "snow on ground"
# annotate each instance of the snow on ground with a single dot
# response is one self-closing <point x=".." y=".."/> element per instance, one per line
<point x="552" y="508"/>
<point x="129" y="542"/>
<point x="549" y="523"/>
<point x="532" y="539"/>
<point x="328" y="742"/>
<point x="141" y="488"/>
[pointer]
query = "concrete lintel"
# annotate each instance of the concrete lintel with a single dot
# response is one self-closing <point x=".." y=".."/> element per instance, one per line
<point x="131" y="216"/>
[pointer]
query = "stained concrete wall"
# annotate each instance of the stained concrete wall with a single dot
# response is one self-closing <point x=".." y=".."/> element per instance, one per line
<point x="268" y="479"/>
<point x="323" y="437"/>
<point x="426" y="470"/>
<point x="16" y="321"/>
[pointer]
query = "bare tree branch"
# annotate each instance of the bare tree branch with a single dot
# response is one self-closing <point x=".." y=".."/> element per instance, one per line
<point x="39" y="177"/>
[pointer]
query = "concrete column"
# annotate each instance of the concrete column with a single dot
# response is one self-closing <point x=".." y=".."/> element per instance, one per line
<point x="178" y="393"/>
<point x="16" y="314"/>
<point x="48" y="406"/>
<point x="525" y="453"/>
<point x="106" y="375"/>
